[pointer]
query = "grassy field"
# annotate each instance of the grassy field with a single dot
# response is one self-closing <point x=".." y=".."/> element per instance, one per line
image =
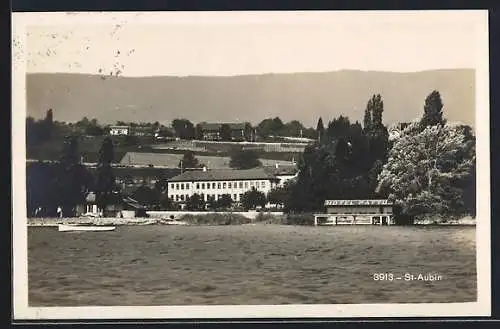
<point x="89" y="148"/>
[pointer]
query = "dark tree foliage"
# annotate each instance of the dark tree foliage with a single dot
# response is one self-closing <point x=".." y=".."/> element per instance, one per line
<point x="72" y="180"/>
<point x="105" y="180"/>
<point x="433" y="110"/>
<point x="161" y="183"/>
<point x="367" y="119"/>
<point x="166" y="203"/>
<point x="374" y="129"/>
<point x="377" y="108"/>
<point x="39" y="131"/>
<point x="195" y="203"/>
<point x="268" y="127"/>
<point x="189" y="161"/>
<point x="48" y="122"/>
<point x="225" y="201"/>
<point x="211" y="203"/>
<point x="253" y="199"/>
<point x="149" y="197"/>
<point x="198" y="132"/>
<point x="184" y="129"/>
<point x="131" y="140"/>
<point x="338" y="168"/>
<point x="292" y="129"/>
<point x="320" y="129"/>
<point x="249" y="132"/>
<point x="244" y="160"/>
<point x="94" y="130"/>
<point x="278" y="196"/>
<point x="41" y="189"/>
<point x="225" y="132"/>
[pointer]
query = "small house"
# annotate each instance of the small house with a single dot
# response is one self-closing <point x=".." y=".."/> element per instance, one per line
<point x="118" y="206"/>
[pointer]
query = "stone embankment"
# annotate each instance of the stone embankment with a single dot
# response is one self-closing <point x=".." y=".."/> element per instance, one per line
<point x="95" y="221"/>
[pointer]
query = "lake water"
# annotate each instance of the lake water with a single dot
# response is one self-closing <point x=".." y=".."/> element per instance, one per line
<point x="260" y="264"/>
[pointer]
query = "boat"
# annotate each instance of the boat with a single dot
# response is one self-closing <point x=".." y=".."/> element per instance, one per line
<point x="87" y="228"/>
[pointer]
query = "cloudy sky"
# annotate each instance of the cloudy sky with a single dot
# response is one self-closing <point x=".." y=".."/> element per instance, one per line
<point x="183" y="44"/>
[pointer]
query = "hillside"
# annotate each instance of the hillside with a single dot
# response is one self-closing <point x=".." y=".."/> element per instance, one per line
<point x="301" y="96"/>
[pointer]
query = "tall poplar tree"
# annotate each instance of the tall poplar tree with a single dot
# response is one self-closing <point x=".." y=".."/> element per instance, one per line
<point x="105" y="178"/>
<point x="433" y="111"/>
<point x="320" y="129"/>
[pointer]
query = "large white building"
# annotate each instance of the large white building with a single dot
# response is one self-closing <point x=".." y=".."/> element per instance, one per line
<point x="119" y="130"/>
<point x="217" y="182"/>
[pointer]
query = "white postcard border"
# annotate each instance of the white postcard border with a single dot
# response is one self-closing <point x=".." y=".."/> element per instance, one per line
<point x="21" y="310"/>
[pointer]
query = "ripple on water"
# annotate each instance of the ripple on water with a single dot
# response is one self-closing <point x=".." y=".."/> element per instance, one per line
<point x="271" y="264"/>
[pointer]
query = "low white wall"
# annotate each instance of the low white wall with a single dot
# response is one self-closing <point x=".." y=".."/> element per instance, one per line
<point x="179" y="214"/>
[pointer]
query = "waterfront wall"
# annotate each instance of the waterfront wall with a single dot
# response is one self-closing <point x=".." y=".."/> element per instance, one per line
<point x="179" y="214"/>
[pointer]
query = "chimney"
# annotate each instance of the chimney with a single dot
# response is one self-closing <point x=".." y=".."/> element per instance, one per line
<point x="204" y="168"/>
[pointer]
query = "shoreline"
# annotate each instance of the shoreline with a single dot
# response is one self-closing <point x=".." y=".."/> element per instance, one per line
<point x="141" y="221"/>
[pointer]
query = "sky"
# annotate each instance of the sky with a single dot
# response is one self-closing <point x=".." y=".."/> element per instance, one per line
<point x="225" y="44"/>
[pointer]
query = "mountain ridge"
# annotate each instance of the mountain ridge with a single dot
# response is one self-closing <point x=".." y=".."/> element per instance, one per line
<point x="303" y="96"/>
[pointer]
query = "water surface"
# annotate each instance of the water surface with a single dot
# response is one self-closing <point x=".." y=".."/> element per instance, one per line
<point x="260" y="264"/>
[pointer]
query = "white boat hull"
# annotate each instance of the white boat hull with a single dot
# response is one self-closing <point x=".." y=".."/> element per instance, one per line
<point x="72" y="228"/>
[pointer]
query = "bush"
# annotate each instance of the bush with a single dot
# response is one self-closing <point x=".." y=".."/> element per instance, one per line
<point x="300" y="219"/>
<point x="216" y="219"/>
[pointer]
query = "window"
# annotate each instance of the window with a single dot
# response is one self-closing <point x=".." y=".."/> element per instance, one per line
<point x="202" y="186"/>
<point x="187" y="186"/>
<point x="246" y="184"/>
<point x="213" y="185"/>
<point x="182" y="186"/>
<point x="251" y="184"/>
<point x="172" y="186"/>
<point x="263" y="184"/>
<point x="224" y="185"/>
<point x="240" y="184"/>
<point x="234" y="197"/>
<point x="197" y="186"/>
<point x="240" y="196"/>
<point x="218" y="185"/>
<point x="177" y="197"/>
<point x="182" y="197"/>
<point x="229" y="185"/>
<point x="176" y="186"/>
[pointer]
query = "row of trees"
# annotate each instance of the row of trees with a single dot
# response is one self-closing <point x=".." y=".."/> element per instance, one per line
<point x="185" y="129"/>
<point x="251" y="199"/>
<point x="428" y="170"/>
<point x="39" y="131"/>
<point x="66" y="183"/>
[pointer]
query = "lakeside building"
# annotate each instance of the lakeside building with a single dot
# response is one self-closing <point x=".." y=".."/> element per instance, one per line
<point x="212" y="131"/>
<point x="354" y="212"/>
<point x="119" y="130"/>
<point x="118" y="206"/>
<point x="213" y="183"/>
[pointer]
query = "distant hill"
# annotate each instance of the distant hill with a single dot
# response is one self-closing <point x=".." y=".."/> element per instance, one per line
<point x="301" y="96"/>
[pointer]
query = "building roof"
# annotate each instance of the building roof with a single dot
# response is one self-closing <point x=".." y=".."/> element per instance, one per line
<point x="119" y="127"/>
<point x="382" y="202"/>
<point x="217" y="126"/>
<point x="223" y="174"/>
